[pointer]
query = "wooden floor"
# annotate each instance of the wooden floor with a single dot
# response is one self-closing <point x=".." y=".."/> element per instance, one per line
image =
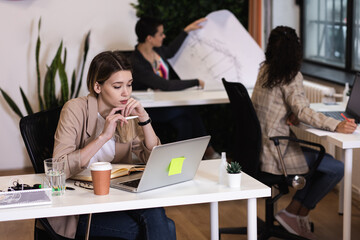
<point x="192" y="221"/>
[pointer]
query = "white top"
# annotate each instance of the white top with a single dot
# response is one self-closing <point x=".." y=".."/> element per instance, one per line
<point x="107" y="152"/>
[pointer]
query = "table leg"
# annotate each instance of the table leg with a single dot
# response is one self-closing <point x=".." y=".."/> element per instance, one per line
<point x="341" y="190"/>
<point x="214" y="220"/>
<point x="347" y="194"/>
<point x="88" y="227"/>
<point x="252" y="219"/>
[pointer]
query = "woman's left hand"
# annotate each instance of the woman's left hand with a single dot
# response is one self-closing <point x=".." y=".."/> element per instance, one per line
<point x="292" y="120"/>
<point x="194" y="25"/>
<point x="134" y="108"/>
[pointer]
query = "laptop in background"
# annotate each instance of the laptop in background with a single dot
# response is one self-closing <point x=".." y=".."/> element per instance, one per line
<point x="167" y="164"/>
<point x="353" y="105"/>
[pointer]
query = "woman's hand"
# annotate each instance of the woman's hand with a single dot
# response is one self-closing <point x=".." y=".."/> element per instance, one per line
<point x="111" y="122"/>
<point x="201" y="84"/>
<point x="194" y="25"/>
<point x="292" y="120"/>
<point x="346" y="126"/>
<point x="134" y="108"/>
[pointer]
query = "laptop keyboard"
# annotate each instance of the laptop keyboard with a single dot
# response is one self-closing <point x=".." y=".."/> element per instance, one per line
<point x="132" y="183"/>
<point x="336" y="115"/>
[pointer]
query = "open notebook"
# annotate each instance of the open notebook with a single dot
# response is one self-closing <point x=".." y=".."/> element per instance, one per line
<point x="118" y="170"/>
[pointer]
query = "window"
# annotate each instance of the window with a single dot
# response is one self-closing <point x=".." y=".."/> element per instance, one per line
<point x="331" y="33"/>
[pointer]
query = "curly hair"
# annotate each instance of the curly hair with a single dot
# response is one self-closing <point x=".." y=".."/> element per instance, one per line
<point x="283" y="57"/>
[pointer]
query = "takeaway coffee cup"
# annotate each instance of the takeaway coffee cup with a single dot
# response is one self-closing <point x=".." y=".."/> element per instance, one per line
<point x="100" y="174"/>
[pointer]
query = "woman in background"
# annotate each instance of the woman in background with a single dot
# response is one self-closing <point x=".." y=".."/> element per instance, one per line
<point x="93" y="128"/>
<point x="279" y="100"/>
<point x="152" y="70"/>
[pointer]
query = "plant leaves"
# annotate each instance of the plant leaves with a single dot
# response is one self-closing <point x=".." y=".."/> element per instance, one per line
<point x="86" y="49"/>
<point x="26" y="102"/>
<point x="73" y="82"/>
<point x="37" y="53"/>
<point x="64" y="83"/>
<point x="11" y="103"/>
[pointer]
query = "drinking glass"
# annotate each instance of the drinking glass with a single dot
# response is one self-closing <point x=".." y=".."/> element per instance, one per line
<point x="55" y="175"/>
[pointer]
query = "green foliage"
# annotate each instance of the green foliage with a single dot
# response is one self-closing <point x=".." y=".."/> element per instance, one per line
<point x="233" y="167"/>
<point x="49" y="99"/>
<point x="177" y="14"/>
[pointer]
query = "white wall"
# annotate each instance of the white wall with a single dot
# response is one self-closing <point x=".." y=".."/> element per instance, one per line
<point x="112" y="27"/>
<point x="286" y="13"/>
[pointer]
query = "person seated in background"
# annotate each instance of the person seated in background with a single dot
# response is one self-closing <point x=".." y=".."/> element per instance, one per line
<point x="279" y="100"/>
<point x="93" y="128"/>
<point x="152" y="70"/>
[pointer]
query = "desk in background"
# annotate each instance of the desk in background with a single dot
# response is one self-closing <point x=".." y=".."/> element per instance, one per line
<point x="346" y="143"/>
<point x="153" y="99"/>
<point x="203" y="189"/>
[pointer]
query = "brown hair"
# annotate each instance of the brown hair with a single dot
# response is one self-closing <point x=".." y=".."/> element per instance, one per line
<point x="103" y="66"/>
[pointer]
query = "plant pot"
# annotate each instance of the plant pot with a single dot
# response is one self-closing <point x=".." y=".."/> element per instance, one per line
<point x="234" y="180"/>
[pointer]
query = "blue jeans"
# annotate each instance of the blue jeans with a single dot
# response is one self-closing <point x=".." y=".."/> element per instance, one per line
<point x="328" y="174"/>
<point x="150" y="224"/>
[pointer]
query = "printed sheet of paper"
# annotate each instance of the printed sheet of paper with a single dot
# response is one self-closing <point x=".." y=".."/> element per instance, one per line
<point x="221" y="49"/>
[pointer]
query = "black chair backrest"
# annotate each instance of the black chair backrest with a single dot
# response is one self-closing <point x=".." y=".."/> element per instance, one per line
<point x="247" y="134"/>
<point x="37" y="131"/>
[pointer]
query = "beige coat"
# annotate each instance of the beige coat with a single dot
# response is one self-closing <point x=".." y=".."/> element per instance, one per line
<point x="273" y="106"/>
<point x="76" y="128"/>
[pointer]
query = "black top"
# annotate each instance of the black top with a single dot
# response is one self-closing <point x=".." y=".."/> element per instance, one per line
<point x="143" y="73"/>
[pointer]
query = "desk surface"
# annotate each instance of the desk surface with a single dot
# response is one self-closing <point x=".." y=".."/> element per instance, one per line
<point x="154" y="99"/>
<point x="203" y="189"/>
<point x="344" y="141"/>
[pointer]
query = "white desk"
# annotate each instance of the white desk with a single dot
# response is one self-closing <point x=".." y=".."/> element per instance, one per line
<point x="345" y="142"/>
<point x="203" y="189"/>
<point x="180" y="98"/>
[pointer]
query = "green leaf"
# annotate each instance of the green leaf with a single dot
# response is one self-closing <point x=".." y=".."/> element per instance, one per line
<point x="48" y="87"/>
<point x="64" y="83"/>
<point x="37" y="53"/>
<point x="11" y="103"/>
<point x="73" y="82"/>
<point x="86" y="49"/>
<point x="26" y="102"/>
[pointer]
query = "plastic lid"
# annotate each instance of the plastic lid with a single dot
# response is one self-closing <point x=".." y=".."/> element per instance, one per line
<point x="100" y="166"/>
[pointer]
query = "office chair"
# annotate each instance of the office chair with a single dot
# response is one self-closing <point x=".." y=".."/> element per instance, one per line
<point x="246" y="150"/>
<point x="37" y="131"/>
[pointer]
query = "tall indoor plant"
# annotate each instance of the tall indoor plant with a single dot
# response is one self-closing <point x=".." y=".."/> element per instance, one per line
<point x="48" y="99"/>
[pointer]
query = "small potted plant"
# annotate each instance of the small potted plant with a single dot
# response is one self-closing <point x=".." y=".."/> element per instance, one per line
<point x="233" y="170"/>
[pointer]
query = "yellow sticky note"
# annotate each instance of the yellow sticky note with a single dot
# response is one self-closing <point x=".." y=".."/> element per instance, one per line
<point x="175" y="166"/>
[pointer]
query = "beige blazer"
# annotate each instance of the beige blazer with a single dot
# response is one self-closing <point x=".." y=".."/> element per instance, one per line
<point x="76" y="128"/>
<point x="273" y="106"/>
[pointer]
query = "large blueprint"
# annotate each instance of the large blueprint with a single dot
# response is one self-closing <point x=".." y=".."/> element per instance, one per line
<point x="221" y="49"/>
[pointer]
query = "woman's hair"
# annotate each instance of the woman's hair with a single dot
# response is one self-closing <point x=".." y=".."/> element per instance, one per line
<point x="283" y="57"/>
<point x="146" y="26"/>
<point x="103" y="66"/>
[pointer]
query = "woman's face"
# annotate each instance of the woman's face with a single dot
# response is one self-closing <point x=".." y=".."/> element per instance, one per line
<point x="115" y="91"/>
<point x="158" y="38"/>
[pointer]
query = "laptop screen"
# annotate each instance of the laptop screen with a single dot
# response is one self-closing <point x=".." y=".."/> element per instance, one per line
<point x="353" y="106"/>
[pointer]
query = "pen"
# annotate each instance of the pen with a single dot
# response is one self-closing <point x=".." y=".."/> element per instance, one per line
<point x="131" y="117"/>
<point x="345" y="117"/>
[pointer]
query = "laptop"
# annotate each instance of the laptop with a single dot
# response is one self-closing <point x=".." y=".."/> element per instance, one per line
<point x="167" y="164"/>
<point x="353" y="105"/>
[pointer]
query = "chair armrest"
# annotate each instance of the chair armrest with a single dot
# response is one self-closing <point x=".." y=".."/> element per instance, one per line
<point x="315" y="165"/>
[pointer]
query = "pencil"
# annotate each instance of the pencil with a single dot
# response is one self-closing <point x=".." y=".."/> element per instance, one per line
<point x="345" y="117"/>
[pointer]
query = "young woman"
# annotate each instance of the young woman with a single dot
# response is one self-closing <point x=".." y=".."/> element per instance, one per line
<point x="152" y="70"/>
<point x="94" y="128"/>
<point x="279" y="100"/>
